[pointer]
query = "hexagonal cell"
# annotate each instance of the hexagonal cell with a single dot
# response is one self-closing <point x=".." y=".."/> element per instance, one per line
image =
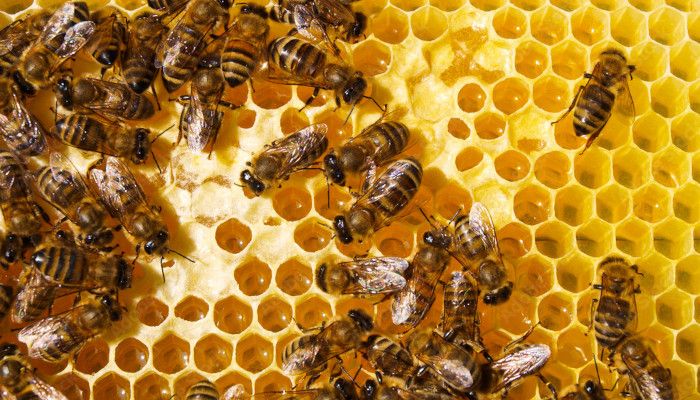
<point x="151" y="387"/>
<point x="232" y="315"/>
<point x="212" y="353"/>
<point x="528" y="5"/>
<point x="613" y="203"/>
<point x="272" y="381"/>
<point x="171" y="354"/>
<point x="569" y="59"/>
<point x="574" y="347"/>
<point x="92" y="357"/>
<point x="487" y="5"/>
<point x="555" y="311"/>
<point x="131" y="355"/>
<point x="534" y="276"/>
<point x="428" y="23"/>
<point x="672" y="238"/>
<point x="532" y="204"/>
<point x="685" y="204"/>
<point x="628" y="26"/>
<point x="549" y="25"/>
<point x="684" y="61"/>
<point x="510" y="94"/>
<point x="519" y="315"/>
<point x="274" y="314"/>
<point x="575" y="273"/>
<point x="270" y="95"/>
<point x="651" y="60"/>
<point x="512" y="165"/>
<point x="592" y="168"/>
<point x="408" y="5"/>
<point x="371" y="57"/>
<point x="696" y="238"/>
<point x="688" y="274"/>
<point x="254" y="353"/>
<point x="311" y="236"/>
<point x="234" y="378"/>
<point x="72" y="386"/>
<point x="661" y="340"/>
<point x="657" y="274"/>
<point x="530" y="59"/>
<point x="183" y="383"/>
<point x="471" y="98"/>
<point x="631" y="167"/>
<point x="671" y="167"/>
<point x="340" y="199"/>
<point x="447" y="5"/>
<point x="311" y="312"/>
<point x="253" y="277"/>
<point x="292" y="120"/>
<point x="589" y="25"/>
<point x="15" y="6"/>
<point x="390" y="26"/>
<point x="451" y="198"/>
<point x="650" y="132"/>
<point x="292" y="203"/>
<point x="468" y="158"/>
<point x="151" y="311"/>
<point x="669" y="96"/>
<point x="191" y="308"/>
<point x="489" y="126"/>
<point x="688" y="344"/>
<point x="594" y="238"/>
<point x="554" y="239"/>
<point x="652" y="203"/>
<point x="683" y="132"/>
<point x="509" y="23"/>
<point x="395" y="241"/>
<point x="458" y="128"/>
<point x="111" y="386"/>
<point x="666" y="26"/>
<point x="573" y="205"/>
<point x="633" y="237"/>
<point x="674" y="309"/>
<point x="551" y="94"/>
<point x="552" y="169"/>
<point x="293" y="277"/>
<point x="514" y="240"/>
<point x="233" y="236"/>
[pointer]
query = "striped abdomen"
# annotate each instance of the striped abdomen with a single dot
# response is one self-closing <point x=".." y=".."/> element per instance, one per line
<point x="469" y="241"/>
<point x="593" y="109"/>
<point x="36" y="295"/>
<point x="139" y="71"/>
<point x="179" y="65"/>
<point x="460" y="307"/>
<point x="378" y="143"/>
<point x="238" y="61"/>
<point x="280" y="12"/>
<point x="58" y="188"/>
<point x="5" y="300"/>
<point x="297" y="57"/>
<point x="19" y="210"/>
<point x="392" y="191"/>
<point x="81" y="131"/>
<point x="389" y="357"/>
<point x="202" y="390"/>
<point x="70" y="339"/>
<point x="611" y="320"/>
<point x="62" y="265"/>
<point x="108" y="42"/>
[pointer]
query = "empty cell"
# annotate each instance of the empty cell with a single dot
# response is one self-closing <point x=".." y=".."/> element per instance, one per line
<point x="72" y="386"/>
<point x="661" y="340"/>
<point x="509" y="23"/>
<point x="92" y="357"/>
<point x="575" y="273"/>
<point x="696" y="168"/>
<point x="685" y="61"/>
<point x="111" y="386"/>
<point x="633" y="237"/>
<point x="274" y="314"/>
<point x="191" y="308"/>
<point x="553" y="169"/>
<point x="312" y="311"/>
<point x="672" y="238"/>
<point x="272" y="381"/>
<point x="514" y="240"/>
<point x="292" y="120"/>
<point x="347" y="303"/>
<point x="232" y="315"/>
<point x="212" y="354"/>
<point x="554" y="239"/>
<point x="150" y="387"/>
<point x="565" y="136"/>
<point x="558" y="375"/>
<point x="694" y="26"/>
<point x="666" y="26"/>
<point x="628" y="26"/>
<point x="592" y="168"/>
<point x="569" y="60"/>
<point x="452" y="198"/>
<point x="683" y="378"/>
<point x="233" y="236"/>
<point x="650" y="132"/>
<point x="371" y="57"/>
<point x="468" y="158"/>
<point x="532" y="204"/>
<point x="293" y="277"/>
<point x="549" y="25"/>
<point x="510" y="94"/>
<point x="652" y="203"/>
<point x="688" y="274"/>
<point x="408" y="5"/>
<point x="458" y="128"/>
<point x="518" y="316"/>
<point x="657" y="273"/>
<point x="589" y="25"/>
<point x="534" y="276"/>
<point x="292" y="203"/>
<point x="151" y="311"/>
<point x="338" y="130"/>
<point x="395" y="241"/>
<point x="530" y="59"/>
<point x="311" y="236"/>
<point x="354" y="249"/>
<point x="390" y="26"/>
<point x="270" y="95"/>
<point x="246" y="118"/>
<point x="447" y="5"/>
<point x="253" y="277"/>
<point x="651" y="60"/>
<point x="254" y="353"/>
<point x="340" y="199"/>
<point x="512" y="165"/>
<point x="671" y="167"/>
<point x="555" y="311"/>
<point x="489" y="125"/>
<point x="131" y="355"/>
<point x="685" y="203"/>
<point x="487" y="5"/>
<point x="684" y="132"/>
<point x="574" y="347"/>
<point x="594" y="238"/>
<point x="674" y="309"/>
<point x="15" y="6"/>
<point x="669" y="96"/>
<point x="696" y="238"/>
<point x="171" y="354"/>
<point x="682" y="5"/>
<point x="234" y="378"/>
<point x="631" y="167"/>
<point x="573" y="205"/>
<point x="583" y="307"/>
<point x="471" y="98"/>
<point x="428" y="23"/>
<point x="688" y="344"/>
<point x="183" y="383"/>
<point x="646" y="5"/>
<point x="551" y="94"/>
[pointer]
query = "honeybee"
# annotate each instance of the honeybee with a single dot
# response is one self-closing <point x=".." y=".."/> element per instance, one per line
<point x="310" y="353"/>
<point x="606" y="88"/>
<point x="178" y="53"/>
<point x="339" y="389"/>
<point x="22" y="214"/>
<point x="57" y="337"/>
<point x="382" y="391"/>
<point x="410" y="305"/>
<point x="615" y="314"/>
<point x="17" y="376"/>
<point x="648" y="379"/>
<point x="66" y="32"/>
<point x="6" y="296"/>
<point x="109" y="39"/>
<point x="20" y="130"/>
<point x="474" y="244"/>
<point x="368" y="276"/>
<point x="62" y="186"/>
<point x="167" y="5"/>
<point x="205" y="390"/>
<point x="18" y="36"/>
<point x="460" y="317"/>
<point x="36" y="294"/>
<point x="110" y="99"/>
<point x="589" y="391"/>
<point x="139" y="58"/>
<point x="284" y="156"/>
<point x="382" y="199"/>
<point x="375" y="145"/>
<point x="245" y="44"/>
<point x="11" y="249"/>
<point x="388" y="357"/>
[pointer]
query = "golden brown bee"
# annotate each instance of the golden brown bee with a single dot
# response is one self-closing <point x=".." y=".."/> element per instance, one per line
<point x="18" y="377"/>
<point x="35" y="295"/>
<point x="57" y="337"/>
<point x="63" y="186"/>
<point x="6" y="296"/>
<point x="285" y="156"/>
<point x="110" y="99"/>
<point x="589" y="391"/>
<point x="178" y="53"/>
<point x="20" y="130"/>
<point x="615" y="314"/>
<point x="388" y="357"/>
<point x="22" y="214"/>
<point x="245" y="44"/>
<point x="410" y="305"/>
<point x="167" y="5"/>
<point x="109" y="39"/>
<point x="138" y="64"/>
<point x="606" y="88"/>
<point x="310" y="353"/>
<point x="363" y="276"/>
<point x="648" y="379"/>
<point x="65" y="33"/>
<point x="381" y="200"/>
<point x="205" y="390"/>
<point x="373" y="390"/>
<point x="375" y="145"/>
<point x="18" y="36"/>
<point x="339" y="389"/>
<point x="460" y="317"/>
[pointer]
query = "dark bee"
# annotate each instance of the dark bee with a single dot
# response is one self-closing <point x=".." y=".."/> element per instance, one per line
<point x="205" y="390"/>
<point x="6" y="296"/>
<point x="460" y="317"/>
<point x="11" y="249"/>
<point x="606" y="88"/>
<point x="22" y="214"/>
<point x="167" y="5"/>
<point x="20" y="130"/>
<point x="138" y="64"/>
<point x="57" y="337"/>
<point x="362" y="276"/>
<point x="648" y="379"/>
<point x="245" y="44"/>
<point x="17" y="37"/>
<point x="339" y="389"/>
<point x="179" y="52"/>
<point x="380" y="390"/>
<point x="18" y="377"/>
<point x="375" y="145"/>
<point x="285" y="156"/>
<point x="589" y="391"/>
<point x="35" y="295"/>
<point x="389" y="357"/>
<point x="382" y="199"/>
<point x="109" y="39"/>
<point x="110" y="99"/>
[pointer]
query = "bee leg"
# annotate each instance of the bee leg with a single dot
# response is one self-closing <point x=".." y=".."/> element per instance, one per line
<point x="549" y="385"/>
<point x="40" y="211"/>
<point x="504" y="393"/>
<point x="590" y="324"/>
<point x="311" y="98"/>
<point x="571" y="106"/>
<point x="155" y="95"/>
<point x="138" y="252"/>
<point x="521" y="339"/>
<point x="591" y="139"/>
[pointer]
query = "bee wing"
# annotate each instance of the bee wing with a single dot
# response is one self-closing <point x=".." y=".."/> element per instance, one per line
<point x="307" y="394"/>
<point x="295" y="147"/>
<point x="45" y="391"/>
<point x="454" y="371"/>
<point x="306" y="22"/>
<point x="59" y="164"/>
<point x="76" y="37"/>
<point x="202" y="124"/>
<point x="624" y="105"/>
<point x="519" y="364"/>
<point x="376" y="275"/>
<point x="10" y="181"/>
<point x="45" y="333"/>
<point x="235" y="392"/>
<point x="653" y="380"/>
<point x="334" y="12"/>
<point x="305" y="357"/>
<point x="118" y="188"/>
<point x="481" y="223"/>
<point x="12" y="35"/>
<point x="58" y="23"/>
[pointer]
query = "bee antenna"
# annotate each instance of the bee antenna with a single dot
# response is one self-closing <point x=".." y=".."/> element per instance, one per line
<point x="181" y="255"/>
<point x="426" y="217"/>
<point x="162" y="132"/>
<point x="349" y="114"/>
<point x="386" y="106"/>
<point x="155" y="160"/>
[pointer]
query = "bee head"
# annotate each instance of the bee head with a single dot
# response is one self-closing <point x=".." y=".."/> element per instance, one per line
<point x="142" y="146"/>
<point x="225" y="4"/>
<point x="100" y="237"/>
<point x="500" y="295"/>
<point x="256" y="9"/>
<point x="358" y="27"/>
<point x="8" y="350"/>
<point x="24" y="86"/>
<point x="11" y="248"/>
<point x="110" y="303"/>
<point x="252" y="182"/>
<point x="345" y="389"/>
<point x="333" y="169"/>
<point x="157" y="242"/>
<point x="107" y="57"/>
<point x="354" y="89"/>
<point x="369" y="389"/>
<point x="437" y="238"/>
<point x="592" y="389"/>
<point x="321" y="277"/>
<point x="361" y="319"/>
<point x="342" y="229"/>
<point x="124" y="274"/>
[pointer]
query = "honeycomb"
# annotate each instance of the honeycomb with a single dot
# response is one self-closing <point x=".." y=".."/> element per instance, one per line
<point x="478" y="82"/>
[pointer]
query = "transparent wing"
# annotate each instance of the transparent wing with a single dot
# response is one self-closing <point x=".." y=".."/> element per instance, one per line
<point x="10" y="177"/>
<point x="481" y="223"/>
<point x="63" y="171"/>
<point x="44" y="390"/>
<point x="404" y="306"/>
<point x="334" y="12"/>
<point x="376" y="275"/>
<point x="449" y="363"/>
<point x="519" y="364"/>
<point x="306" y="22"/>
<point x="118" y="188"/>
<point x="295" y="148"/>
<point x="308" y="355"/>
<point x="624" y="105"/>
<point x="76" y="37"/>
<point x="48" y="332"/>
<point x="58" y="23"/>
<point x="14" y="35"/>
<point x="235" y="392"/>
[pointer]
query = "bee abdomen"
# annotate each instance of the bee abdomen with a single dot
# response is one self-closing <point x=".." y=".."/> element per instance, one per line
<point x="69" y="340"/>
<point x="80" y="131"/>
<point x="5" y="300"/>
<point x="179" y="68"/>
<point x="297" y="57"/>
<point x="55" y="185"/>
<point x="592" y="109"/>
<point x="203" y="390"/>
<point x="280" y="13"/>
<point x="61" y="264"/>
<point x="402" y="179"/>
<point x="238" y="62"/>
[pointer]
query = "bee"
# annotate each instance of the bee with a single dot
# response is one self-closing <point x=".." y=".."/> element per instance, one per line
<point x="167" y="5"/>
<point x="205" y="390"/>
<point x="375" y="145"/>
<point x="388" y="357"/>
<point x="284" y="156"/>
<point x="66" y="32"/>
<point x="57" y="337"/>
<point x="382" y="199"/>
<point x="36" y="294"/>
<point x="589" y="391"/>
<point x="108" y="41"/>
<point x="606" y="88"/>
<point x="339" y="389"/>
<point x="410" y="305"/>
<point x="474" y="244"/>
<point x="6" y="296"/>
<point x="648" y="379"/>
<point x="110" y="99"/>
<point x="615" y="311"/>
<point x="379" y="390"/>
<point x="178" y="53"/>
<point x="20" y="130"/>
<point x="22" y="214"/>
<point x="138" y="63"/>
<point x="245" y="44"/>
<point x="18" y="37"/>
<point x="310" y="353"/>
<point x="17" y="376"/>
<point x="61" y="185"/>
<point x="368" y="276"/>
<point x="460" y="317"/>
<point x="11" y="249"/>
